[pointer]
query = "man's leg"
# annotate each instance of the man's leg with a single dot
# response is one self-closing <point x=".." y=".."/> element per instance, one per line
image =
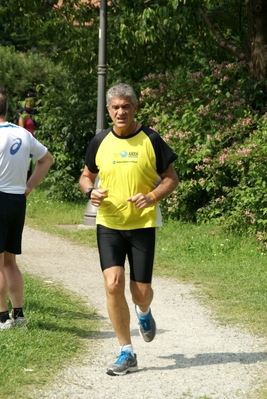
<point x="3" y="286"/>
<point x="5" y="321"/>
<point x="120" y="318"/>
<point x="117" y="306"/>
<point x="142" y="294"/>
<point x="14" y="280"/>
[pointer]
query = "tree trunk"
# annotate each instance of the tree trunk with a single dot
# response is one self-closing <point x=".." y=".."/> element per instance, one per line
<point x="257" y="38"/>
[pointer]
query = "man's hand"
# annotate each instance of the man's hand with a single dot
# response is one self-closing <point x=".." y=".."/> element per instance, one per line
<point x="97" y="196"/>
<point x="142" y="201"/>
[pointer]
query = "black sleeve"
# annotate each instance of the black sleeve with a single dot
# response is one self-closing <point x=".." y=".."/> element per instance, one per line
<point x="164" y="154"/>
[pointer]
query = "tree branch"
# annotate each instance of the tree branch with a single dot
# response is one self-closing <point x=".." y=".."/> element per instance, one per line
<point x="222" y="41"/>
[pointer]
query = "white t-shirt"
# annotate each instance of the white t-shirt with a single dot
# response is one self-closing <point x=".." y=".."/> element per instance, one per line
<point x="16" y="146"/>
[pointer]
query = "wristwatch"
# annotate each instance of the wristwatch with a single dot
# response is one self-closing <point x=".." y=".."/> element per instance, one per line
<point x="89" y="192"/>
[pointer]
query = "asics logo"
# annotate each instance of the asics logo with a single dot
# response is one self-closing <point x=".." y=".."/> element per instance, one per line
<point x="15" y="146"/>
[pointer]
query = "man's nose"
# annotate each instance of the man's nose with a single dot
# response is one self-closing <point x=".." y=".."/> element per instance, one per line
<point x="121" y="111"/>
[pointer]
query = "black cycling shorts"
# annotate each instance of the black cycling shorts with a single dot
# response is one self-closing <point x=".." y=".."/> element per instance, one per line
<point x="12" y="217"/>
<point x="138" y="245"/>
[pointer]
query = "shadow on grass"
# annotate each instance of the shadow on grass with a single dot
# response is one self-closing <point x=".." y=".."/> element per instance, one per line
<point x="54" y="319"/>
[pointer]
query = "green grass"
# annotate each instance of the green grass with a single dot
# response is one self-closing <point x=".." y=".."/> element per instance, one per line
<point x="229" y="270"/>
<point x="30" y="357"/>
<point x="47" y="215"/>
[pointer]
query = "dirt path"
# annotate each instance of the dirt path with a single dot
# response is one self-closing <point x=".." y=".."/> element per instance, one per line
<point x="192" y="356"/>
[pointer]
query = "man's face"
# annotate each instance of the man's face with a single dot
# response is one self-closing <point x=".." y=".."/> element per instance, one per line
<point x="122" y="111"/>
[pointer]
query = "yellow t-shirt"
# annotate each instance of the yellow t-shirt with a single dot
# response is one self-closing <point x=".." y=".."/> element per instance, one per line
<point x="127" y="166"/>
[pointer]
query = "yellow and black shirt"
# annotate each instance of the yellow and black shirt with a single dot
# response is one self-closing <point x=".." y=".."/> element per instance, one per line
<point x="127" y="166"/>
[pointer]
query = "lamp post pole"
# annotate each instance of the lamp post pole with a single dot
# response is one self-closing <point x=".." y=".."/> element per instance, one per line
<point x="90" y="212"/>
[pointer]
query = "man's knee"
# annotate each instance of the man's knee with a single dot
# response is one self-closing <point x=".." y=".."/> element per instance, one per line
<point x="141" y="295"/>
<point x="114" y="282"/>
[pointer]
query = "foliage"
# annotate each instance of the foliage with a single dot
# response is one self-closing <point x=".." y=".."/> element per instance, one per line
<point x="21" y="72"/>
<point x="216" y="122"/>
<point x="44" y="27"/>
<point x="65" y="123"/>
<point x="211" y="116"/>
<point x="159" y="35"/>
<point x="66" y="126"/>
<point x="151" y="36"/>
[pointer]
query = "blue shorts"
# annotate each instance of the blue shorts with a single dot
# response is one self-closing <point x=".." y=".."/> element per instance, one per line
<point x="12" y="217"/>
<point x="138" y="245"/>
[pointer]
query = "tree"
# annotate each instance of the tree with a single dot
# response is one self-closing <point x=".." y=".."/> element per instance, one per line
<point x="143" y="36"/>
<point x="257" y="38"/>
<point x="254" y="49"/>
<point x="168" y="33"/>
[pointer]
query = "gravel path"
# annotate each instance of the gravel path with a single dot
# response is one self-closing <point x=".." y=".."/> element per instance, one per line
<point x="192" y="356"/>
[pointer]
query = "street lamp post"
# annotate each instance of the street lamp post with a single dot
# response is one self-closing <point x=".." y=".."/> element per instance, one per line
<point x="90" y="212"/>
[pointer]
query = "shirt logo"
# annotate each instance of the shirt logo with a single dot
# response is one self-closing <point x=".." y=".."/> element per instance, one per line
<point x="125" y="157"/>
<point x="15" y="146"/>
<point x="131" y="154"/>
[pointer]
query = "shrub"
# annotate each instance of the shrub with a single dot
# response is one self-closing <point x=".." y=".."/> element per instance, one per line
<point x="215" y="121"/>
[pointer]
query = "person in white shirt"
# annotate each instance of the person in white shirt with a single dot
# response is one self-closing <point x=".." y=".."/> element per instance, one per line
<point x="16" y="145"/>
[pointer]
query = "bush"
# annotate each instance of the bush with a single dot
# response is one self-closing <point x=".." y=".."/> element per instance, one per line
<point x="20" y="72"/>
<point x="215" y="121"/>
<point x="66" y="126"/>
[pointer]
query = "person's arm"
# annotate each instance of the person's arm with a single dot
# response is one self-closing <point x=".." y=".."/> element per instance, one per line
<point x="87" y="180"/>
<point x="21" y="122"/>
<point x="22" y="119"/>
<point x="169" y="181"/>
<point x="40" y="170"/>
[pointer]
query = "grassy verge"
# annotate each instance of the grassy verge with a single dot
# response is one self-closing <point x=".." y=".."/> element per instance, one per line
<point x="30" y="357"/>
<point x="229" y="270"/>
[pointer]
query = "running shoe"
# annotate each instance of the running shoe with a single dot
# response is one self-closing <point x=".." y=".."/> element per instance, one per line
<point x="124" y="364"/>
<point x="9" y="323"/>
<point x="147" y="326"/>
<point x="19" y="321"/>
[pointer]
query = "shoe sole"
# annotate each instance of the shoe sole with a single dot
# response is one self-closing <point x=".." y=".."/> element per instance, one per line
<point x="119" y="373"/>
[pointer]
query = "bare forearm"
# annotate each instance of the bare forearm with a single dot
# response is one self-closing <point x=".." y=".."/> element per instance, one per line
<point x="165" y="188"/>
<point x="40" y="170"/>
<point x="87" y="179"/>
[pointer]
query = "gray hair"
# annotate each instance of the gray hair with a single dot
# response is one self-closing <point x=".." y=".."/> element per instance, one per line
<point x="121" y="90"/>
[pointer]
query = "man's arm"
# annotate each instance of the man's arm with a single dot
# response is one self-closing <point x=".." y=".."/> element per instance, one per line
<point x="40" y="170"/>
<point x="87" y="180"/>
<point x="169" y="181"/>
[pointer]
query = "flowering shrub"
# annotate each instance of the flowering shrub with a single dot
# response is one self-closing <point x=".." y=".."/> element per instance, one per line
<point x="216" y="122"/>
